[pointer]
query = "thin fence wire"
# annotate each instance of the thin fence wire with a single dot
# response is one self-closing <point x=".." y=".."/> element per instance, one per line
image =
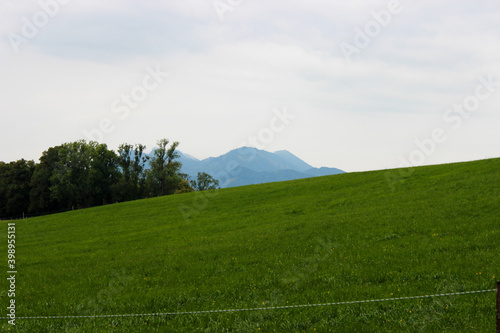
<point x="256" y="309"/>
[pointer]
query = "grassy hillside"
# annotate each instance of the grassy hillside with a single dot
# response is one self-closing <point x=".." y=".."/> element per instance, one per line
<point x="329" y="239"/>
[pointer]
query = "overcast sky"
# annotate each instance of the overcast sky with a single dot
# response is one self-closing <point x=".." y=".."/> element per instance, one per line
<point x="357" y="83"/>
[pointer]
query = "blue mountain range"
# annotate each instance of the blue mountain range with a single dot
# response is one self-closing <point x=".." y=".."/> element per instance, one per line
<point x="248" y="166"/>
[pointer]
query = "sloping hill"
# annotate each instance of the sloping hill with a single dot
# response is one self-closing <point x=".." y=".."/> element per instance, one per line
<point x="329" y="239"/>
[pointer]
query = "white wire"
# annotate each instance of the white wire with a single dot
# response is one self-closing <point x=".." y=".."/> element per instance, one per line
<point x="256" y="309"/>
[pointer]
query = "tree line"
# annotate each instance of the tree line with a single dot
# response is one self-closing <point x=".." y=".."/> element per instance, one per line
<point x="84" y="174"/>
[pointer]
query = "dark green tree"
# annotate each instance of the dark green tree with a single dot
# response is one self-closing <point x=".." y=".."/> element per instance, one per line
<point x="15" y="180"/>
<point x="83" y="175"/>
<point x="164" y="176"/>
<point x="4" y="173"/>
<point x="40" y="198"/>
<point x="70" y="177"/>
<point x="205" y="182"/>
<point x="132" y="182"/>
<point x="103" y="174"/>
<point x="139" y="170"/>
<point x="184" y="185"/>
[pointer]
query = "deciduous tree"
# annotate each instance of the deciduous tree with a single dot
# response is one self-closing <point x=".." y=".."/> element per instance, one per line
<point x="205" y="182"/>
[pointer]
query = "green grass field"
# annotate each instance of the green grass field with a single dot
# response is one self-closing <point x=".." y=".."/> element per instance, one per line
<point x="330" y="239"/>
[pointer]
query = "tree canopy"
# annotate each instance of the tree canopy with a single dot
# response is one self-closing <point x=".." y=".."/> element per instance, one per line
<point x="84" y="174"/>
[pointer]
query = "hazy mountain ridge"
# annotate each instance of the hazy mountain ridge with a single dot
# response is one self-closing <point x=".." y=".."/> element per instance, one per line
<point x="248" y="166"/>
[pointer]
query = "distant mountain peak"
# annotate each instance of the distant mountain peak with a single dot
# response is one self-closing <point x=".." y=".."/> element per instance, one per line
<point x="249" y="165"/>
<point x="246" y="148"/>
<point x="187" y="156"/>
<point x="298" y="164"/>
